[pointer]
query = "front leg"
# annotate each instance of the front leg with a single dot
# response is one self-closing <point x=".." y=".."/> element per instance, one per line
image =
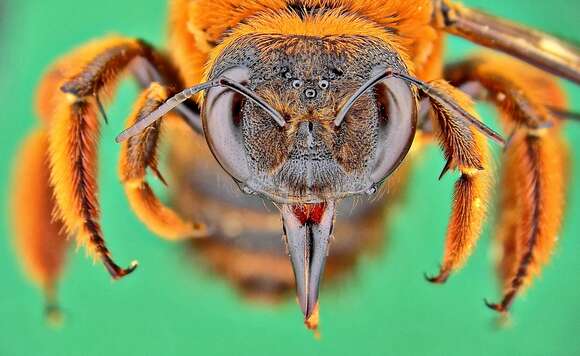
<point x="138" y="154"/>
<point x="466" y="150"/>
<point x="535" y="165"/>
<point x="69" y="103"/>
<point x="39" y="238"/>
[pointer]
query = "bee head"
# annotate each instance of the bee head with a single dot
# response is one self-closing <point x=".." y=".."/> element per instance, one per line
<point x="309" y="81"/>
<point x="340" y="128"/>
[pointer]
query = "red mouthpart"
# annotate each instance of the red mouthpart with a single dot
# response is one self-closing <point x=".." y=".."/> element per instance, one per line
<point x="309" y="213"/>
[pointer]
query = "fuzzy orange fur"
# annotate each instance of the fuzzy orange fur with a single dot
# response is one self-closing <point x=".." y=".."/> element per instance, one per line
<point x="537" y="156"/>
<point x="49" y="94"/>
<point x="139" y="154"/>
<point x="73" y="126"/>
<point x="534" y="180"/>
<point x="198" y="39"/>
<point x="467" y="150"/>
<point x="40" y="239"/>
<point x="73" y="161"/>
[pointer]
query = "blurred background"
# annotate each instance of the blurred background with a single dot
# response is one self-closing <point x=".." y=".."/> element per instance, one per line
<point x="174" y="305"/>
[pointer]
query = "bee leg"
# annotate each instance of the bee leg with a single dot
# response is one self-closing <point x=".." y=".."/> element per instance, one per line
<point x="465" y="149"/>
<point x="534" y="179"/>
<point x="539" y="49"/>
<point x="146" y="73"/>
<point x="69" y="104"/>
<point x="138" y="154"/>
<point x="39" y="239"/>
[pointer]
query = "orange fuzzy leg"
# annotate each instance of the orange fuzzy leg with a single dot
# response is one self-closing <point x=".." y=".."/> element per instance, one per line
<point x="89" y="70"/>
<point x="538" y="162"/>
<point x="137" y="155"/>
<point x="71" y="115"/>
<point x="509" y="217"/>
<point x="466" y="150"/>
<point x="534" y="181"/>
<point x="39" y="238"/>
<point x="73" y="162"/>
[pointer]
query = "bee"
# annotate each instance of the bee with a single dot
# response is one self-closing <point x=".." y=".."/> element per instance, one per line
<point x="279" y="115"/>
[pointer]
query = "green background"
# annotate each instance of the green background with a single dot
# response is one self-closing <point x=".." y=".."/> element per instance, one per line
<point x="169" y="306"/>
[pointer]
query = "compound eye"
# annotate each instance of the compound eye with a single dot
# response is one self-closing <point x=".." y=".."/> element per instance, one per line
<point x="222" y="125"/>
<point x="397" y="125"/>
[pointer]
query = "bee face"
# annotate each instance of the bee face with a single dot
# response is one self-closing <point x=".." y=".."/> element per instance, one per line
<point x="308" y="81"/>
<point x="330" y="138"/>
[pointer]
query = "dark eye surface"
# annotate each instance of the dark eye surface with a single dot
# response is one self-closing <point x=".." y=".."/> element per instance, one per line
<point x="398" y="118"/>
<point x="221" y="120"/>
